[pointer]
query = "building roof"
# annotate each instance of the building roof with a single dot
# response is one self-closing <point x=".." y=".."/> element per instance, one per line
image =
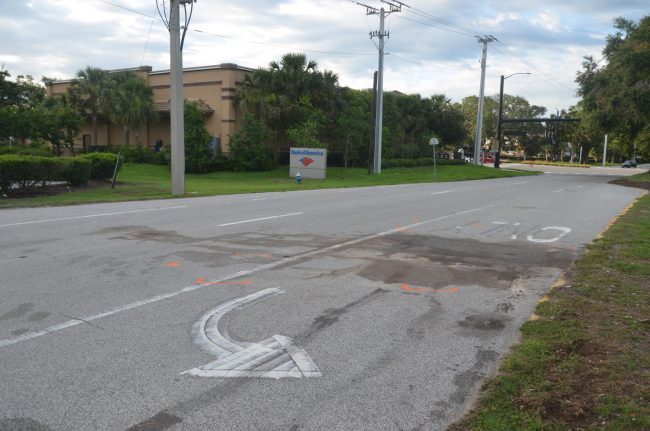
<point x="149" y="70"/>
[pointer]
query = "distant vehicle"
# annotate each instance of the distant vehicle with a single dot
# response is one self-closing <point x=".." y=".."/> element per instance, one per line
<point x="466" y="159"/>
<point x="487" y="157"/>
<point x="629" y="164"/>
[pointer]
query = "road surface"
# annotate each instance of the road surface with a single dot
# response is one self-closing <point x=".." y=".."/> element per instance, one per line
<point x="366" y="308"/>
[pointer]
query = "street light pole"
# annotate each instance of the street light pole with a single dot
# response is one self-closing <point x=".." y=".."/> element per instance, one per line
<point x="497" y="158"/>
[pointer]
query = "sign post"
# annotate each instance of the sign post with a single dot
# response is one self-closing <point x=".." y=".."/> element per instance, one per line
<point x="434" y="143"/>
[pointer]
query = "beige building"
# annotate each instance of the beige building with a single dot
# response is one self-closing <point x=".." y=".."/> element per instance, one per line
<point x="214" y="87"/>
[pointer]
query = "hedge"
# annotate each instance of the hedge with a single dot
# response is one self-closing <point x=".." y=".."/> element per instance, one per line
<point x="22" y="150"/>
<point x="139" y="154"/>
<point x="102" y="165"/>
<point x="412" y="163"/>
<point x="20" y="175"/>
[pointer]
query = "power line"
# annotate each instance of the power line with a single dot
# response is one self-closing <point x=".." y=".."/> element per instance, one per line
<point x="126" y="8"/>
<point x="516" y="58"/>
<point x="437" y="27"/>
<point x="164" y="19"/>
<point x="277" y="44"/>
<point x="458" y="28"/>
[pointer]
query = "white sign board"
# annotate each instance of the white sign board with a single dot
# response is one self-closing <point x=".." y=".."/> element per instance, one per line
<point x="433" y="142"/>
<point x="310" y="162"/>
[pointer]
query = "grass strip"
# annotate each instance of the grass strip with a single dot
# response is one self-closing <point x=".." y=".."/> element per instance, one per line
<point x="584" y="359"/>
<point x="140" y="182"/>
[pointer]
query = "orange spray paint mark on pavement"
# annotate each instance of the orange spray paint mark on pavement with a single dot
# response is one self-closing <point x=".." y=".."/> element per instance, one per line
<point x="173" y="264"/>
<point x="408" y="288"/>
<point x="203" y="282"/>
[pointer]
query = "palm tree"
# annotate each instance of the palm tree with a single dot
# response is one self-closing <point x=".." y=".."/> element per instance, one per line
<point x="89" y="92"/>
<point x="132" y="103"/>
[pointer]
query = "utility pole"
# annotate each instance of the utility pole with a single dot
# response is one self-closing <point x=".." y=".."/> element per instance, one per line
<point x="395" y="6"/>
<point x="479" y="120"/>
<point x="177" y="124"/>
<point x="371" y="160"/>
<point x="605" y="152"/>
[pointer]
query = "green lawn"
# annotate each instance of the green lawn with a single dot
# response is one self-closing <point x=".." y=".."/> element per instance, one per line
<point x="139" y="182"/>
<point x="584" y="361"/>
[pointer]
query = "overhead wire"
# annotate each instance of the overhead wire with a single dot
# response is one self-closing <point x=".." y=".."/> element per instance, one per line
<point x="440" y="23"/>
<point x="436" y="22"/>
<point x="277" y="44"/>
<point x="516" y="58"/>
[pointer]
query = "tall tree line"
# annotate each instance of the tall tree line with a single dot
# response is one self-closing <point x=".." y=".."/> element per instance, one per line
<point x="615" y="91"/>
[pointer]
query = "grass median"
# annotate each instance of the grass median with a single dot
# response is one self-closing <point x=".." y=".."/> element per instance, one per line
<point x="140" y="182"/>
<point x="584" y="359"/>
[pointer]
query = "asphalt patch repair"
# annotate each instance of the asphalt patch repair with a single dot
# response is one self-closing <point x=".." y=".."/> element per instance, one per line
<point x="436" y="262"/>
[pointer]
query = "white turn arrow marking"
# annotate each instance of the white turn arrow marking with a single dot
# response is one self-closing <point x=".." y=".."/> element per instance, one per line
<point x="275" y="357"/>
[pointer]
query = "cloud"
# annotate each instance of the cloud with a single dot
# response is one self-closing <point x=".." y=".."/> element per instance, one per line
<point x="425" y="55"/>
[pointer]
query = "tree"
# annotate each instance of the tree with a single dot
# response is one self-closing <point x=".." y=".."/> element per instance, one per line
<point x="18" y="99"/>
<point x="198" y="152"/>
<point x="132" y="104"/>
<point x="291" y="93"/>
<point x="90" y="91"/>
<point x="59" y="124"/>
<point x="21" y="93"/>
<point x="248" y="146"/>
<point x="616" y="95"/>
<point x="353" y="126"/>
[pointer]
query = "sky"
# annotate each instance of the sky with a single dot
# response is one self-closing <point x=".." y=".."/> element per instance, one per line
<point x="432" y="46"/>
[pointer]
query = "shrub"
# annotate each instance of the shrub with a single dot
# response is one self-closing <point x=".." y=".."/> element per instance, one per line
<point x="139" y="154"/>
<point x="20" y="175"/>
<point x="76" y="171"/>
<point x="248" y="148"/>
<point x="22" y="150"/>
<point x="102" y="165"/>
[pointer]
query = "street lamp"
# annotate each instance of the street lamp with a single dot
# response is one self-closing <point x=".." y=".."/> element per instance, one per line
<point x="497" y="159"/>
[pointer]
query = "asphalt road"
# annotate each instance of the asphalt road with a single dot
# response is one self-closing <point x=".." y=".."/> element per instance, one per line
<point x="367" y="308"/>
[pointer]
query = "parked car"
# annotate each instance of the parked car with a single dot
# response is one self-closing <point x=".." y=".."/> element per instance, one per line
<point x="629" y="164"/>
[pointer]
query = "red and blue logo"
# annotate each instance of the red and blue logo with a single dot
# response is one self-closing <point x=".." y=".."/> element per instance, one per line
<point x="306" y="161"/>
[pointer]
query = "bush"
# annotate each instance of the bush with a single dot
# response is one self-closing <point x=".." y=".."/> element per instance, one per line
<point x="139" y="154"/>
<point x="76" y="171"/>
<point x="20" y="175"/>
<point x="22" y="150"/>
<point x="412" y="163"/>
<point x="102" y="165"/>
<point x="248" y="148"/>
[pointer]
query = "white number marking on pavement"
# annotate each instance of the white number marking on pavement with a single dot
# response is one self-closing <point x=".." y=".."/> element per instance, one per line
<point x="564" y="231"/>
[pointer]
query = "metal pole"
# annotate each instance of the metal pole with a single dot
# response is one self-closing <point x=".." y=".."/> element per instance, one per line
<point x="434" y="162"/>
<point x="497" y="158"/>
<point x="605" y="152"/>
<point x="371" y="143"/>
<point x="479" y="118"/>
<point x="117" y="165"/>
<point x="380" y="94"/>
<point x="177" y="100"/>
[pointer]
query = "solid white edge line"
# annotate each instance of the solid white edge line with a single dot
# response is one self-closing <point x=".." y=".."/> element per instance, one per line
<point x="92" y="215"/>
<point x="74" y="322"/>
<point x="258" y="219"/>
<point x="441" y="193"/>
